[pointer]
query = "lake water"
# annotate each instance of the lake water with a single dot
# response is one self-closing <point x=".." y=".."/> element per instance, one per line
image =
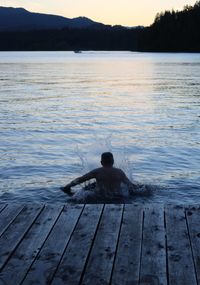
<point x="60" y="110"/>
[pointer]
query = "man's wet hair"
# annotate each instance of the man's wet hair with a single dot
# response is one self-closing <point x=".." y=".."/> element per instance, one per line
<point x="107" y="159"/>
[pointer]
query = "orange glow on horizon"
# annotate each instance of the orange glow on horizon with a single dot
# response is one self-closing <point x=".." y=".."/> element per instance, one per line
<point x="112" y="12"/>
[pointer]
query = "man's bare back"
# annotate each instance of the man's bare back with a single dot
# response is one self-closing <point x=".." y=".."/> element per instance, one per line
<point x="108" y="178"/>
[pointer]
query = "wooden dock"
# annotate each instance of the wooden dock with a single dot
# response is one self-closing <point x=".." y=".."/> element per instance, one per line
<point x="99" y="244"/>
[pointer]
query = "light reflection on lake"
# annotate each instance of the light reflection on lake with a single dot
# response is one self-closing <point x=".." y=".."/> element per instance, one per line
<point x="60" y="110"/>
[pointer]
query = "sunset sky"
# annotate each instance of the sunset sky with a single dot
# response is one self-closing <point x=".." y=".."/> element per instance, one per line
<point x="123" y="12"/>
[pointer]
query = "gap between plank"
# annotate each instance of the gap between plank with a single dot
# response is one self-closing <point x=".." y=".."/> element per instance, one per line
<point x="166" y="248"/>
<point x="87" y="259"/>
<point x="141" y="247"/>
<point x="188" y="231"/>
<point x="61" y="210"/>
<point x="22" y="237"/>
<point x="116" y="250"/>
<point x="50" y="282"/>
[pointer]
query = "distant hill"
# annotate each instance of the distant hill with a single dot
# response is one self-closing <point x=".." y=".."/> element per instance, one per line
<point x="172" y="31"/>
<point x="19" y="19"/>
<point x="24" y="30"/>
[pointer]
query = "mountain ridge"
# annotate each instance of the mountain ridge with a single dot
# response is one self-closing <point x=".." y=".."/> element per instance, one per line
<point x="20" y="19"/>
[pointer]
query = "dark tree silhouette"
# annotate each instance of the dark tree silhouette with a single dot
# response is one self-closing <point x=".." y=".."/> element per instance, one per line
<point x="110" y="38"/>
<point x="173" y="31"/>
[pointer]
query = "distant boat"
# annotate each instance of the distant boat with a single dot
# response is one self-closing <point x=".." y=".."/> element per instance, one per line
<point x="77" y="51"/>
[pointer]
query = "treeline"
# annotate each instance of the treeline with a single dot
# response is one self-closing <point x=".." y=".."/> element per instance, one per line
<point x="173" y="31"/>
<point x="110" y="38"/>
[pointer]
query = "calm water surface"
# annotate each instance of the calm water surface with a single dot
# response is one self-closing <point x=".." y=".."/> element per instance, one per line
<point x="59" y="111"/>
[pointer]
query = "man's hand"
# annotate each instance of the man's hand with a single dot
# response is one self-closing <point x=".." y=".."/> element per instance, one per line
<point x="133" y="188"/>
<point x="67" y="190"/>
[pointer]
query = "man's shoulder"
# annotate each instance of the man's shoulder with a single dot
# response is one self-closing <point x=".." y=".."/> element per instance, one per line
<point x="118" y="170"/>
<point x="96" y="170"/>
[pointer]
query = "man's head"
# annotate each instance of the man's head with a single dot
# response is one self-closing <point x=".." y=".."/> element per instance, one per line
<point x="107" y="159"/>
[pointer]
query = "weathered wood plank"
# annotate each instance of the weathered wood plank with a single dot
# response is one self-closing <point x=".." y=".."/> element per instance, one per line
<point x="180" y="261"/>
<point x="127" y="262"/>
<point x="193" y="220"/>
<point x="99" y="267"/>
<point x="46" y="263"/>
<point x="153" y="259"/>
<point x="16" y="231"/>
<point x="18" y="265"/>
<point x="8" y="215"/>
<point x="91" y="245"/>
<point x="73" y="261"/>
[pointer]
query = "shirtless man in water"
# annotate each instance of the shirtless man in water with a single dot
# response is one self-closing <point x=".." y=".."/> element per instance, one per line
<point x="108" y="178"/>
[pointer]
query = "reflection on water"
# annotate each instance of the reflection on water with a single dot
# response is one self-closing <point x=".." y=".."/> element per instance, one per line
<point x="59" y="111"/>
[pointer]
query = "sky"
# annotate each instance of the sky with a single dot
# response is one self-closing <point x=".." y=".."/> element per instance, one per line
<point x="112" y="12"/>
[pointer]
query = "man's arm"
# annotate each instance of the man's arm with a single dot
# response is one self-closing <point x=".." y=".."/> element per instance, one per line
<point x="79" y="180"/>
<point x="125" y="180"/>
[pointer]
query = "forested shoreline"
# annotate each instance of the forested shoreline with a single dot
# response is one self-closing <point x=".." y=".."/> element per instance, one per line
<point x="118" y="38"/>
<point x="172" y="31"/>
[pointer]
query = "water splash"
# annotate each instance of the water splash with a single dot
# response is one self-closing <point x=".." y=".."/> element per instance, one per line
<point x="90" y="158"/>
<point x="89" y="194"/>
